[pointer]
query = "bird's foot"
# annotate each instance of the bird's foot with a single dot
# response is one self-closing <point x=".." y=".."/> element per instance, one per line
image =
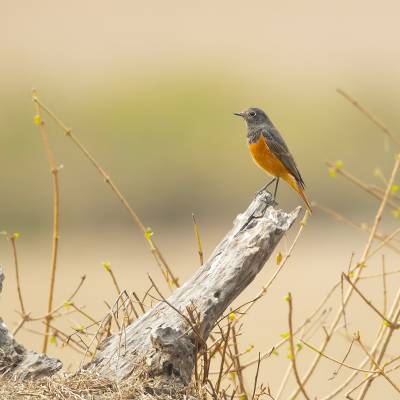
<point x="259" y="213"/>
<point x="265" y="187"/>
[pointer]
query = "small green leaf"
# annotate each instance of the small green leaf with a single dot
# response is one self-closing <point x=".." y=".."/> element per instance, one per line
<point x="16" y="235"/>
<point x="287" y="297"/>
<point x="53" y="339"/>
<point x="275" y="352"/>
<point x="386" y="323"/>
<point x="106" y="266"/>
<point x="290" y="355"/>
<point x="279" y="258"/>
<point x="67" y="304"/>
<point x="396" y="213"/>
<point x="332" y="172"/>
<point x="148" y="233"/>
<point x="37" y="119"/>
<point x="250" y="348"/>
<point x="285" y="335"/>
<point x="394" y="188"/>
<point x="231" y="316"/>
<point x="338" y="164"/>
<point x="299" y="346"/>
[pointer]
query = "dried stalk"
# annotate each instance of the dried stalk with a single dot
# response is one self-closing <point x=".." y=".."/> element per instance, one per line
<point x="370" y="116"/>
<point x="56" y="216"/>
<point x="292" y="349"/>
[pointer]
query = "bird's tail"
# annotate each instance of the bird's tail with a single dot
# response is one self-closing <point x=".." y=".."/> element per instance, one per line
<point x="298" y="188"/>
<point x="300" y="191"/>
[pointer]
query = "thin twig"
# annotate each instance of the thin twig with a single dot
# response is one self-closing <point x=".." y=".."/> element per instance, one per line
<point x="379" y="275"/>
<point x="375" y="363"/>
<point x="107" y="267"/>
<point x="385" y="344"/>
<point x="368" y="302"/>
<point x="236" y="359"/>
<point x="141" y="305"/>
<point x="56" y="214"/>
<point x="362" y="227"/>
<point x="336" y="373"/>
<point x="66" y="304"/>
<point x="369" y="115"/>
<point x="221" y="368"/>
<point x="85" y="314"/>
<point x="342" y="300"/>
<point x="340" y="363"/>
<point x="284" y="381"/>
<point x="256" y="377"/>
<point x="384" y="243"/>
<point x="198" y="240"/>
<point x="384" y="285"/>
<point x="13" y="238"/>
<point x="351" y="178"/>
<point x="292" y="349"/>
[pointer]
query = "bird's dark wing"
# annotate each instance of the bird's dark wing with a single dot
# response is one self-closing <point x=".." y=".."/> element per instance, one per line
<point x="278" y="146"/>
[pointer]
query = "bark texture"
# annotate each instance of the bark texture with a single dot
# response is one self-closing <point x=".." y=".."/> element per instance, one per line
<point x="19" y="363"/>
<point x="163" y="337"/>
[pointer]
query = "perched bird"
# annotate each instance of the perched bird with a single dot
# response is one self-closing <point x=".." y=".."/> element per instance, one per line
<point x="270" y="151"/>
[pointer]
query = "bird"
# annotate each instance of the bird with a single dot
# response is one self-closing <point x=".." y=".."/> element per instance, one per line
<point x="270" y="152"/>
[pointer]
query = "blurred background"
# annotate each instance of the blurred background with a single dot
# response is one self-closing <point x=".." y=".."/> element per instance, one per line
<point x="150" y="88"/>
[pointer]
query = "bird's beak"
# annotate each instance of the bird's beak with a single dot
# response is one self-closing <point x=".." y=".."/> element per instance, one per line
<point x="240" y="114"/>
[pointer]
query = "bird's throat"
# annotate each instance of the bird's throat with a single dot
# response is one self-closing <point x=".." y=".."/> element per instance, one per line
<point x="253" y="135"/>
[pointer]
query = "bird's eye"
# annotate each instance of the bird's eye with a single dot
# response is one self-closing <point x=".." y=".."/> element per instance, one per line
<point x="252" y="114"/>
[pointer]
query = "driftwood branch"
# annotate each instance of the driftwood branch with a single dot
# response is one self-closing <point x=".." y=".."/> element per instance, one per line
<point x="16" y="361"/>
<point x="163" y="337"/>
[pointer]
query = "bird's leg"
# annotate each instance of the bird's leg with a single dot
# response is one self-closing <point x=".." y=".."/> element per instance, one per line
<point x="267" y="204"/>
<point x="276" y="188"/>
<point x="266" y="186"/>
<point x="253" y="216"/>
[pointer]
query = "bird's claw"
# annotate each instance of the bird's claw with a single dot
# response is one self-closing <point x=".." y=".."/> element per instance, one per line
<point x="265" y="187"/>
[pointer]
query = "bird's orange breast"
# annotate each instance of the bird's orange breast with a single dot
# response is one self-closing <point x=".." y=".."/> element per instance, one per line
<point x="266" y="159"/>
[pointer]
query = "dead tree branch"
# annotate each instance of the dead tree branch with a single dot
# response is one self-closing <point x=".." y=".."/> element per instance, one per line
<point x="162" y="337"/>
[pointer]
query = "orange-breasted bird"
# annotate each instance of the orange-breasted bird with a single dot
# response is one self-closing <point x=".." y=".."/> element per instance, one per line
<point x="270" y="152"/>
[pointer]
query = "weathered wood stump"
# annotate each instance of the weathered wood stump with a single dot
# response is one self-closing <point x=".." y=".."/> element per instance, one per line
<point x="163" y="337"/>
<point x="16" y="361"/>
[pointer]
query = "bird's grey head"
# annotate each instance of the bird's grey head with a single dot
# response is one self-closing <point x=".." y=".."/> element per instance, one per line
<point x="254" y="117"/>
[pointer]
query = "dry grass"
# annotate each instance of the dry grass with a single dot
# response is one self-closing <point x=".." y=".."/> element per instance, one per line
<point x="89" y="385"/>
